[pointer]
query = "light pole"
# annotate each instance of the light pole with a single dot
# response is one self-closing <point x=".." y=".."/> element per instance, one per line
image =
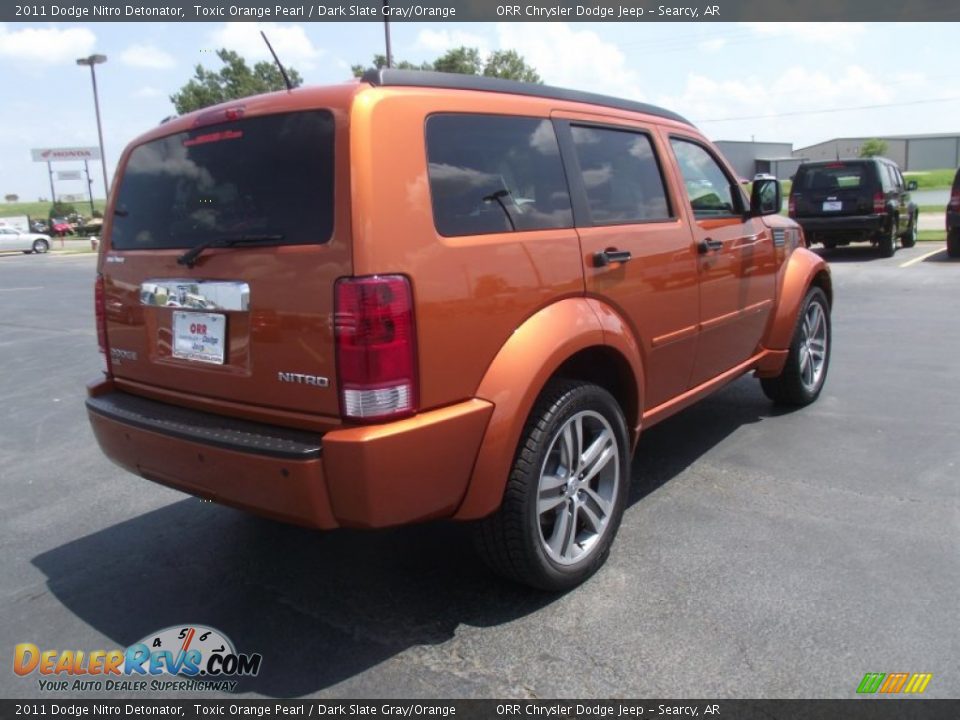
<point x="91" y="61"/>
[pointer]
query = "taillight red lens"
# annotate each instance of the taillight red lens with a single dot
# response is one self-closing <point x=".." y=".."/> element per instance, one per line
<point x="879" y="204"/>
<point x="955" y="200"/>
<point x="792" y="206"/>
<point x="100" y="309"/>
<point x="376" y="347"/>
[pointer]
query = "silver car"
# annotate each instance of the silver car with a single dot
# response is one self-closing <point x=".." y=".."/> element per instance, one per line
<point x="13" y="239"/>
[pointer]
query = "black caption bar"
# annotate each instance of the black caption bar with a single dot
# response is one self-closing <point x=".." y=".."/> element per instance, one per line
<point x="638" y="11"/>
<point x="854" y="709"/>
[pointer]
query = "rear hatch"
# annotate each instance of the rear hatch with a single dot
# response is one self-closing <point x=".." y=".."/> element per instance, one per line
<point x="245" y="322"/>
<point x="834" y="189"/>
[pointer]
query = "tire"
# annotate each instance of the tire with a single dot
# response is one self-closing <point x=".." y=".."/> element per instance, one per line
<point x="530" y="538"/>
<point x="910" y="237"/>
<point x="40" y="246"/>
<point x="805" y="371"/>
<point x="888" y="241"/>
<point x="953" y="243"/>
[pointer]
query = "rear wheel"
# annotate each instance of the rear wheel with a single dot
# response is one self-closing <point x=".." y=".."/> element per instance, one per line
<point x="910" y="237"/>
<point x="40" y="246"/>
<point x="953" y="243"/>
<point x="888" y="241"/>
<point x="566" y="492"/>
<point x="803" y="375"/>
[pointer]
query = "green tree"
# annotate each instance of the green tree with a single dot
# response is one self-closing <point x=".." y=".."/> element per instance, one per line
<point x="873" y="148"/>
<point x="507" y="64"/>
<point x="510" y="64"/>
<point x="234" y="80"/>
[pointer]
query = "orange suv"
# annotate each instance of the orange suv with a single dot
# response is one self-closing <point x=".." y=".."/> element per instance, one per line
<point x="425" y="296"/>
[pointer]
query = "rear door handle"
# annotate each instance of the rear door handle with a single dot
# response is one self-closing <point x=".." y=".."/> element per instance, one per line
<point x="610" y="255"/>
<point x="709" y="245"/>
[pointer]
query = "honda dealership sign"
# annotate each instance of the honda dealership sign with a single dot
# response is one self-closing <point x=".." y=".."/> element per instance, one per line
<point x="69" y="153"/>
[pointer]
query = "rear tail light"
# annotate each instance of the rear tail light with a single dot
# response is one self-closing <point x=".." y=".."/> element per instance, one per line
<point x="792" y="206"/>
<point x="879" y="204"/>
<point x="100" y="308"/>
<point x="376" y="347"/>
<point x="954" y="203"/>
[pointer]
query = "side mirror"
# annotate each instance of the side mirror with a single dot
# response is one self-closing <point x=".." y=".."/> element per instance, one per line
<point x="766" y="198"/>
<point x="911" y="185"/>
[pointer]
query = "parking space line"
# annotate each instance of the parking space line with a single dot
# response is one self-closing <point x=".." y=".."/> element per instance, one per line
<point x="35" y="287"/>
<point x="908" y="263"/>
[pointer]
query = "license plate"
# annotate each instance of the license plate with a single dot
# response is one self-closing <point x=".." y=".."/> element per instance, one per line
<point x="832" y="205"/>
<point x="199" y="336"/>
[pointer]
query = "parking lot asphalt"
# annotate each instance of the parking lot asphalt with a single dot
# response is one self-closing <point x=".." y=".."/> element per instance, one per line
<point x="764" y="553"/>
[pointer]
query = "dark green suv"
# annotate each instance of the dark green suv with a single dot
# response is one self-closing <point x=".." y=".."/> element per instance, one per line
<point x="838" y="202"/>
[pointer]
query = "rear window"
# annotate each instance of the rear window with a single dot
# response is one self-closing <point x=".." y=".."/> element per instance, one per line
<point x="270" y="175"/>
<point x="494" y="173"/>
<point x="835" y="176"/>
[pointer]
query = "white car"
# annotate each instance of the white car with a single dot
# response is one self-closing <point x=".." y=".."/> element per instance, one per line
<point x="13" y="239"/>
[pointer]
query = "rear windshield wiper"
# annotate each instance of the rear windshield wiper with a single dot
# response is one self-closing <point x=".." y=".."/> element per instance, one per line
<point x="189" y="258"/>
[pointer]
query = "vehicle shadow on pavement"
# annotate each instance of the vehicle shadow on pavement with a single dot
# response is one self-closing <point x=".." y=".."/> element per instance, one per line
<point x="854" y="253"/>
<point x="322" y="607"/>
<point x="669" y="448"/>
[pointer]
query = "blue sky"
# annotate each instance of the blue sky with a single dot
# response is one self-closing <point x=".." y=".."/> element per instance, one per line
<point x="782" y="82"/>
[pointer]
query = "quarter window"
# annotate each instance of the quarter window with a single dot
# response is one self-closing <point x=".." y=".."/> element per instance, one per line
<point x="493" y="173"/>
<point x="711" y="192"/>
<point x="621" y="176"/>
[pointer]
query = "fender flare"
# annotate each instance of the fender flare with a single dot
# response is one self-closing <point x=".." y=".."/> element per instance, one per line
<point x="516" y="377"/>
<point x="804" y="269"/>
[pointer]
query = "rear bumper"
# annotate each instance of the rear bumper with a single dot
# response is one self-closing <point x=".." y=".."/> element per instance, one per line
<point x="840" y="225"/>
<point x="377" y="476"/>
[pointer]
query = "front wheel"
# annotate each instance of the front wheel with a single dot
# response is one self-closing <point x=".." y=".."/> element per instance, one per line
<point x="910" y="237"/>
<point x="803" y="376"/>
<point x="566" y="492"/>
<point x="40" y="246"/>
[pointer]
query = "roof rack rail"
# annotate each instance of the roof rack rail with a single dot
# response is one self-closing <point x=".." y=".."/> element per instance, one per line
<point x="384" y="77"/>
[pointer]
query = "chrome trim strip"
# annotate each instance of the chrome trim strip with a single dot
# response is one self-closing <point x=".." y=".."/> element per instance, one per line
<point x="194" y="294"/>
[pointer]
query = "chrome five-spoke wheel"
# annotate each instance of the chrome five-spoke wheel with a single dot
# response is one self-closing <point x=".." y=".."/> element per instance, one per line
<point x="813" y="345"/>
<point x="578" y="486"/>
<point x="566" y="491"/>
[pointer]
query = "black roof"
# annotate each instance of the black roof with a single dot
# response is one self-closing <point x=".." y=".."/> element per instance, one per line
<point x="455" y="81"/>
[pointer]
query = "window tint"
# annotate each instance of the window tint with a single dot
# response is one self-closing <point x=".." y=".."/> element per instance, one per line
<point x="270" y="175"/>
<point x="493" y="173"/>
<point x="621" y="175"/>
<point x="710" y="191"/>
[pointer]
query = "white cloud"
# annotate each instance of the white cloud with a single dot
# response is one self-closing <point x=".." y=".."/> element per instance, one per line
<point x="147" y="92"/>
<point x="49" y="46"/>
<point x="439" y="41"/>
<point x="147" y="56"/>
<point x="826" y="32"/>
<point x="595" y="65"/>
<point x="764" y="109"/>
<point x="713" y="45"/>
<point x="293" y="46"/>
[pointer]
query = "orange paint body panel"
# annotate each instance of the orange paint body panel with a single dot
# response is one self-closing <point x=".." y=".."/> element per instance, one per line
<point x="496" y="313"/>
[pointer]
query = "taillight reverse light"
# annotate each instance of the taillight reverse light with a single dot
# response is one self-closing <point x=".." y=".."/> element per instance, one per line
<point x="376" y="347"/>
<point x="879" y="203"/>
<point x="100" y="308"/>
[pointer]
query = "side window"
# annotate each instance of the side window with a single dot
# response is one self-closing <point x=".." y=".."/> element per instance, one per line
<point x="621" y="175"/>
<point x="495" y="173"/>
<point x="711" y="191"/>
